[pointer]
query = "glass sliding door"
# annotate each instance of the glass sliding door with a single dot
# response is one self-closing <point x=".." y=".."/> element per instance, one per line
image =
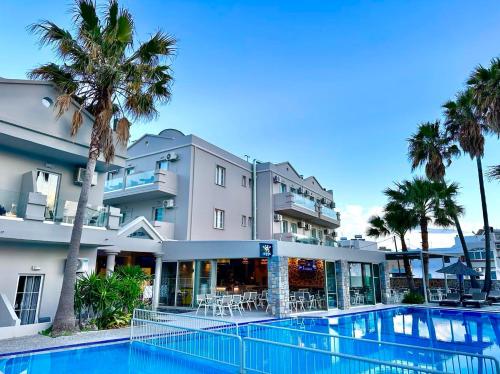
<point x="376" y="281"/>
<point x="203" y="283"/>
<point x="168" y="283"/>
<point x="185" y="283"/>
<point x="28" y="298"/>
<point x="47" y="183"/>
<point x="331" y="284"/>
<point x="368" y="284"/>
<point x="361" y="284"/>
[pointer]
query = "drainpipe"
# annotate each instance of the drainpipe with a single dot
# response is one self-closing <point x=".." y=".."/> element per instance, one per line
<point x="254" y="199"/>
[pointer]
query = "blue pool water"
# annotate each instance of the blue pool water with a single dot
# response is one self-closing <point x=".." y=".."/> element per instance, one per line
<point x="475" y="333"/>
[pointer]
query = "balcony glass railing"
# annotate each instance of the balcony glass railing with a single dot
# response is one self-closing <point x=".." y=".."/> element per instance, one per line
<point x="329" y="212"/>
<point x="113" y="184"/>
<point x="305" y="239"/>
<point x="140" y="179"/>
<point x="304" y="202"/>
<point x="9" y="203"/>
<point x="65" y="212"/>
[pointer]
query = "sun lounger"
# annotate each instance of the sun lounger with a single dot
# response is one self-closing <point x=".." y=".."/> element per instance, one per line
<point x="494" y="296"/>
<point x="452" y="299"/>
<point x="478" y="299"/>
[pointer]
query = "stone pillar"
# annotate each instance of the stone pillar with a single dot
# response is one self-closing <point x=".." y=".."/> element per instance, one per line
<point x="110" y="261"/>
<point x="157" y="280"/>
<point x="385" y="282"/>
<point x="343" y="284"/>
<point x="278" y="291"/>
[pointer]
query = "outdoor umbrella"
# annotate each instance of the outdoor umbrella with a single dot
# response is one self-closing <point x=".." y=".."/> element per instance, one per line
<point x="460" y="270"/>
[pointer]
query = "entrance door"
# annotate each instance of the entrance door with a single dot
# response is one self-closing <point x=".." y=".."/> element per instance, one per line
<point x="185" y="283"/>
<point x="167" y="285"/>
<point x="376" y="281"/>
<point x="28" y="298"/>
<point x="47" y="183"/>
<point x="331" y="285"/>
<point x="203" y="283"/>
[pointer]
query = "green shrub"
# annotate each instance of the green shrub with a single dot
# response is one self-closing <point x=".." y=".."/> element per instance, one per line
<point x="108" y="301"/>
<point x="413" y="298"/>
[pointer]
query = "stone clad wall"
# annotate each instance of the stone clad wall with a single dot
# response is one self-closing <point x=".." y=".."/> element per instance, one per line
<point x="278" y="291"/>
<point x="385" y="282"/>
<point x="344" y="298"/>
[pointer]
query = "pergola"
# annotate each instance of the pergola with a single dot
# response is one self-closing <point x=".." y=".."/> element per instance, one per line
<point x="417" y="254"/>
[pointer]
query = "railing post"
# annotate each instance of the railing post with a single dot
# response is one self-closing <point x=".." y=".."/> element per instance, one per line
<point x="242" y="356"/>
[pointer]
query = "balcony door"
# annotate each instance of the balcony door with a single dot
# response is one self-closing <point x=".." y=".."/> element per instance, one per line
<point x="47" y="183"/>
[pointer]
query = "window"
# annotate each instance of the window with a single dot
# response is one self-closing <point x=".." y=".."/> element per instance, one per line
<point x="159" y="214"/>
<point x="244" y="181"/>
<point x="129" y="171"/>
<point x="244" y="221"/>
<point x="314" y="233"/>
<point x="112" y="175"/>
<point x="294" y="228"/>
<point x="218" y="219"/>
<point x="162" y="165"/>
<point x="282" y="187"/>
<point x="249" y="221"/>
<point x="220" y="176"/>
<point x="27" y="298"/>
<point x="250" y="182"/>
<point x="320" y="234"/>
<point x="284" y="227"/>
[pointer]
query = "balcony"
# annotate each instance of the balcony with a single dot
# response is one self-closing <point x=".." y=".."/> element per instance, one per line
<point x="302" y="207"/>
<point x="297" y="238"/>
<point x="165" y="229"/>
<point x="151" y="184"/>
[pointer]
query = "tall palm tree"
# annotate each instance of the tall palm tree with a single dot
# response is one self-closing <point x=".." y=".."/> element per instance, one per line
<point x="485" y="83"/>
<point x="465" y="124"/>
<point x="99" y="69"/>
<point x="432" y="147"/>
<point x="396" y="221"/>
<point x="431" y="202"/>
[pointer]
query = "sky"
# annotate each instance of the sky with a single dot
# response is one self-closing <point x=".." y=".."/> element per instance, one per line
<point x="334" y="87"/>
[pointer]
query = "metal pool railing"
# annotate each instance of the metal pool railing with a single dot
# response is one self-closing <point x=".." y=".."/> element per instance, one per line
<point x="194" y="336"/>
<point x="403" y="354"/>
<point x="264" y="356"/>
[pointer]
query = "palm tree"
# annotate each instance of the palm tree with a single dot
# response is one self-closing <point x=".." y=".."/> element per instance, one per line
<point x="99" y="69"/>
<point x="467" y="126"/>
<point x="396" y="221"/>
<point x="485" y="83"/>
<point x="430" y="201"/>
<point x="430" y="146"/>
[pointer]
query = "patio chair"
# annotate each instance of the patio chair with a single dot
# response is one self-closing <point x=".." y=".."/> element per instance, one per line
<point x="246" y="299"/>
<point x="201" y="300"/>
<point x="252" y="300"/>
<point x="494" y="296"/>
<point x="236" y="304"/>
<point x="478" y="299"/>
<point x="226" y="303"/>
<point x="452" y="299"/>
<point x="262" y="298"/>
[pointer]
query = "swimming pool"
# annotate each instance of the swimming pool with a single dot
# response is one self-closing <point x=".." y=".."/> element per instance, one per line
<point x="273" y="347"/>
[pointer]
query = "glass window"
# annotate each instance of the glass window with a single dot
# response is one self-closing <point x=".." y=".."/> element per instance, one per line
<point x="314" y="233"/>
<point x="282" y="187"/>
<point x="356" y="278"/>
<point x="218" y="219"/>
<point x="111" y="175"/>
<point x="159" y="214"/>
<point x="47" y="183"/>
<point x="294" y="228"/>
<point x="162" y="165"/>
<point x="320" y="234"/>
<point x="129" y="171"/>
<point x="331" y="285"/>
<point x="284" y="226"/>
<point x="243" y="220"/>
<point x="220" y="176"/>
<point x="244" y="181"/>
<point x="27" y="297"/>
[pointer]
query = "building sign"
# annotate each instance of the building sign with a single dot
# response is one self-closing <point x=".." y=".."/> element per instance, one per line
<point x="266" y="249"/>
<point x="307" y="265"/>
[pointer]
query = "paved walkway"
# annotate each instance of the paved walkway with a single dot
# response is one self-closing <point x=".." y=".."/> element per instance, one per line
<point x="37" y="342"/>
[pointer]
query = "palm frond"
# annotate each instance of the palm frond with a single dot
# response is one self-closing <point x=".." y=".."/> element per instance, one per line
<point x="494" y="172"/>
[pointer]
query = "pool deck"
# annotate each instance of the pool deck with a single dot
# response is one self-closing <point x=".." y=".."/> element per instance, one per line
<point x="35" y="343"/>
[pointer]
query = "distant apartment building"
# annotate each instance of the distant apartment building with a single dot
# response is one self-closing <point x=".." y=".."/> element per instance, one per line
<point x="190" y="189"/>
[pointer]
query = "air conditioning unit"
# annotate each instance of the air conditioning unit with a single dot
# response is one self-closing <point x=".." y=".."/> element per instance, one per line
<point x="306" y="193"/>
<point x="277" y="179"/>
<point x="278" y="218"/>
<point x="300" y="190"/>
<point x="172" y="156"/>
<point x="332" y="205"/>
<point x="80" y="175"/>
<point x="168" y="203"/>
<point x="307" y="226"/>
<point x="326" y="231"/>
<point x="82" y="266"/>
<point x="300" y="224"/>
<point x="323" y="200"/>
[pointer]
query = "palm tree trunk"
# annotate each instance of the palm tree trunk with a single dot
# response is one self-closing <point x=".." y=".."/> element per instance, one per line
<point x="473" y="281"/>
<point x="487" y="244"/>
<point x="425" y="249"/>
<point x="64" y="320"/>
<point x="407" y="266"/>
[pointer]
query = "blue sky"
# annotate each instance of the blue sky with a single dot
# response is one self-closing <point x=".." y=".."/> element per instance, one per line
<point x="335" y="87"/>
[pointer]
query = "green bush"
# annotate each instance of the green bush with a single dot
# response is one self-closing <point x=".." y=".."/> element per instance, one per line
<point x="413" y="298"/>
<point x="108" y="301"/>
